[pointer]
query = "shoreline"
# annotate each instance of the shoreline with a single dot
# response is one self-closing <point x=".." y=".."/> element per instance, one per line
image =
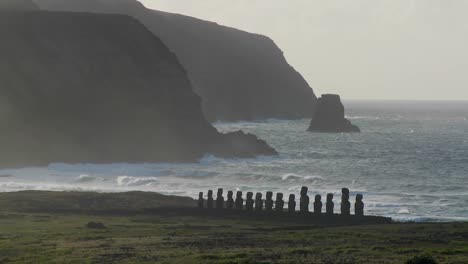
<point x="147" y="202"/>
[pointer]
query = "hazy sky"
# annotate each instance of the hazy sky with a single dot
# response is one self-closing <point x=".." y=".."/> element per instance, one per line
<point x="361" y="49"/>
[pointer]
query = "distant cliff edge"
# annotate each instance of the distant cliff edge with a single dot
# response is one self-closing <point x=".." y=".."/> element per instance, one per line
<point x="18" y="5"/>
<point x="78" y="88"/>
<point x="239" y="75"/>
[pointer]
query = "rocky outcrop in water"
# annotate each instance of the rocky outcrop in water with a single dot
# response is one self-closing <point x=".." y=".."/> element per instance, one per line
<point x="329" y="116"/>
<point x="239" y="75"/>
<point x="89" y="88"/>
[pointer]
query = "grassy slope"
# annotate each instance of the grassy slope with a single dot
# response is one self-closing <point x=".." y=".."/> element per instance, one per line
<point x="149" y="238"/>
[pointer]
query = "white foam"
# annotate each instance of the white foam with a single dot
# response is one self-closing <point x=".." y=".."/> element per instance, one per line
<point x="128" y="181"/>
<point x="85" y="178"/>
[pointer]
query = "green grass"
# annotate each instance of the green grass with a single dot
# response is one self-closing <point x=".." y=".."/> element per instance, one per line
<point x="159" y="238"/>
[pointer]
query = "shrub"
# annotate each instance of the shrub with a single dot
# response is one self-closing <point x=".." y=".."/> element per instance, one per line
<point x="421" y="260"/>
<point x="95" y="225"/>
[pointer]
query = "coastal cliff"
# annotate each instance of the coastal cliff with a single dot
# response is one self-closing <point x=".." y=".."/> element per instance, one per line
<point x="18" y="5"/>
<point x="239" y="75"/>
<point x="330" y="116"/>
<point x="78" y="88"/>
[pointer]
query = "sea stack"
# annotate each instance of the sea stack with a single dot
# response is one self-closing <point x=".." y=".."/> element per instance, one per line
<point x="329" y="116"/>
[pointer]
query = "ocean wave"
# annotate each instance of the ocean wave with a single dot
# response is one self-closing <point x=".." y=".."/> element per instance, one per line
<point x="363" y="117"/>
<point x="129" y="181"/>
<point x="196" y="174"/>
<point x="85" y="178"/>
<point x="428" y="219"/>
<point x="294" y="178"/>
<point x="211" y="159"/>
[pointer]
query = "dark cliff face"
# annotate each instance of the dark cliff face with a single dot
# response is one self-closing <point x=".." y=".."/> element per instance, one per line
<point x="330" y="116"/>
<point x="240" y="76"/>
<point x="77" y="87"/>
<point x="17" y="5"/>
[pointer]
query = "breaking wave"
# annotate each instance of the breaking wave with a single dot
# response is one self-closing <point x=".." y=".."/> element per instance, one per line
<point x="129" y="181"/>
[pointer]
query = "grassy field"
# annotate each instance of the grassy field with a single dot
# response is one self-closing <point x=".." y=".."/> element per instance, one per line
<point x="136" y="237"/>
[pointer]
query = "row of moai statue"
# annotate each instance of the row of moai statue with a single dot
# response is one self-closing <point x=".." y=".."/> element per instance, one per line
<point x="267" y="205"/>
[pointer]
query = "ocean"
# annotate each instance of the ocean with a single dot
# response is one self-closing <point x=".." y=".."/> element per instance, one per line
<point x="410" y="162"/>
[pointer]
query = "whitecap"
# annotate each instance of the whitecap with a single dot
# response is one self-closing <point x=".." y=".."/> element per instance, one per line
<point x="136" y="181"/>
<point x="292" y="178"/>
<point x="85" y="178"/>
<point x="404" y="211"/>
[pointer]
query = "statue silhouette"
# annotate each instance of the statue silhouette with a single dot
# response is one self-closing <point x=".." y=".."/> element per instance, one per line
<point x="318" y="205"/>
<point x="239" y="201"/>
<point x="359" y="206"/>
<point x="304" y="201"/>
<point x="230" y="200"/>
<point x="330" y="204"/>
<point x="200" y="200"/>
<point x="292" y="203"/>
<point x="220" y="199"/>
<point x="209" y="202"/>
<point x="279" y="204"/>
<point x="269" y="202"/>
<point x="258" y="202"/>
<point x="345" y="204"/>
<point x="249" y="202"/>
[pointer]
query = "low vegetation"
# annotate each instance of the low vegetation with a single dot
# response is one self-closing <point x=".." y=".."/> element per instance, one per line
<point x="156" y="237"/>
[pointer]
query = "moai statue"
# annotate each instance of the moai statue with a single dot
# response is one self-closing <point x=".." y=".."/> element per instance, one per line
<point x="258" y="202"/>
<point x="304" y="202"/>
<point x="239" y="201"/>
<point x="209" y="202"/>
<point x="200" y="200"/>
<point x="292" y="203"/>
<point x="220" y="199"/>
<point x="345" y="204"/>
<point x="330" y="204"/>
<point x="269" y="202"/>
<point x="318" y="205"/>
<point x="279" y="203"/>
<point x="230" y="200"/>
<point x="249" y="202"/>
<point x="359" y="206"/>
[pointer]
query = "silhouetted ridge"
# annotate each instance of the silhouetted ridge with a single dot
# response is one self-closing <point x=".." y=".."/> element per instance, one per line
<point x="239" y="75"/>
<point x="78" y="87"/>
<point x="17" y="5"/>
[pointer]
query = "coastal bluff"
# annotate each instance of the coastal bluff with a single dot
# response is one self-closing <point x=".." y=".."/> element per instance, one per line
<point x="95" y="88"/>
<point x="329" y="116"/>
<point x="239" y="75"/>
<point x="18" y="5"/>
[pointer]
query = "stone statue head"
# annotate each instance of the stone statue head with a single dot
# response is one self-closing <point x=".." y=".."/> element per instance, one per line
<point x="292" y="197"/>
<point x="239" y="194"/>
<point x="249" y="195"/>
<point x="210" y="193"/>
<point x="220" y="191"/>
<point x="304" y="190"/>
<point x="258" y="196"/>
<point x="200" y="195"/>
<point x="269" y="195"/>
<point x="230" y="193"/>
<point x="359" y="197"/>
<point x="279" y="196"/>
<point x="318" y="198"/>
<point x="329" y="197"/>
<point x="345" y="193"/>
